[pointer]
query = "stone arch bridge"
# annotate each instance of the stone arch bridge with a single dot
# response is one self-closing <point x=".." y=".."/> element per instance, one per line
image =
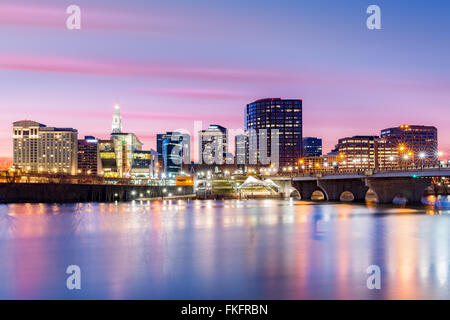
<point x="386" y="186"/>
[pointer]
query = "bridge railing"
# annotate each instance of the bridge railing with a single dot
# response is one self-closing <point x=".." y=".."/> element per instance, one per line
<point x="363" y="172"/>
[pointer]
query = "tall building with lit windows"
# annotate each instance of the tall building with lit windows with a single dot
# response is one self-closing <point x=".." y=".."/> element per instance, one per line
<point x="416" y="144"/>
<point x="280" y="116"/>
<point x="38" y="148"/>
<point x="172" y="151"/>
<point x="212" y="139"/>
<point x="176" y="136"/>
<point x="241" y="149"/>
<point x="89" y="161"/>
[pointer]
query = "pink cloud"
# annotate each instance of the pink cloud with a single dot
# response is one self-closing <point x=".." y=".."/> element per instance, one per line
<point x="188" y="116"/>
<point x="138" y="69"/>
<point x="209" y="94"/>
<point x="32" y="15"/>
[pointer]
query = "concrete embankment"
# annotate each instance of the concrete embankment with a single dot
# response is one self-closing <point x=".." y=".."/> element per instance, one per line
<point x="60" y="192"/>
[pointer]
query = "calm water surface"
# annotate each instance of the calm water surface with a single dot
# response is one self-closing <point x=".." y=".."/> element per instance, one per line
<point x="255" y="249"/>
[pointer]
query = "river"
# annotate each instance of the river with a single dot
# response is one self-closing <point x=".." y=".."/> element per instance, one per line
<point x="254" y="249"/>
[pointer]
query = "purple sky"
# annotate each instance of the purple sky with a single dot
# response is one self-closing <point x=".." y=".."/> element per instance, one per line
<point x="170" y="63"/>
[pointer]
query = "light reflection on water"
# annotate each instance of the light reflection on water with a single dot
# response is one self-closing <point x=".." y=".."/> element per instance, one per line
<point x="266" y="249"/>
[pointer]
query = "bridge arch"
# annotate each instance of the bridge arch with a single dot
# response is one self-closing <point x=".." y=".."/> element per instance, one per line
<point x="347" y="196"/>
<point x="318" y="195"/>
<point x="307" y="188"/>
<point x="371" y="196"/>
<point x="295" y="194"/>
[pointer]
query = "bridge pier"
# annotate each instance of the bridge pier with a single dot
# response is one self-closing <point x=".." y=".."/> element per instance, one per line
<point x="387" y="189"/>
<point x="335" y="187"/>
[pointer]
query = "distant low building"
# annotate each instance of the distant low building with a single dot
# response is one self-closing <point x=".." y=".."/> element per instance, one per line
<point x="312" y="147"/>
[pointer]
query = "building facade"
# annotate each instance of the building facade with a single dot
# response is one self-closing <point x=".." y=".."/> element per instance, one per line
<point x="89" y="161"/>
<point x="241" y="149"/>
<point x="312" y="147"/>
<point x="273" y="117"/>
<point x="186" y="143"/>
<point x="38" y="148"/>
<point x="110" y="158"/>
<point x="172" y="152"/>
<point x="144" y="163"/>
<point x="387" y="155"/>
<point x="213" y="145"/>
<point x="357" y="153"/>
<point x="417" y="145"/>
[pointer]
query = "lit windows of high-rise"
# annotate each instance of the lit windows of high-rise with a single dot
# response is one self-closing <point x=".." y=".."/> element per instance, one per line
<point x="275" y="116"/>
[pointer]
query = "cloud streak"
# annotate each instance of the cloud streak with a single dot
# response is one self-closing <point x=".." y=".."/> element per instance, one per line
<point x="93" y="18"/>
<point x="208" y="94"/>
<point x="138" y="69"/>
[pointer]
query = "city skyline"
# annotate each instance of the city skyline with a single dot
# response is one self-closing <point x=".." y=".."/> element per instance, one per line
<point x="77" y="76"/>
<point x="394" y="146"/>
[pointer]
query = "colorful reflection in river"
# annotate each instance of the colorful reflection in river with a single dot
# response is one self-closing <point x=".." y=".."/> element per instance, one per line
<point x="266" y="249"/>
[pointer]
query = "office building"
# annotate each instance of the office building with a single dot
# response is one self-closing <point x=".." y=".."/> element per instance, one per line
<point x="89" y="161"/>
<point x="186" y="145"/>
<point x="110" y="158"/>
<point x="387" y="155"/>
<point x="357" y="153"/>
<point x="144" y="163"/>
<point x="416" y="144"/>
<point x="38" y="148"/>
<point x="172" y="153"/>
<point x="312" y="147"/>
<point x="275" y="117"/>
<point x="213" y="145"/>
<point x="241" y="149"/>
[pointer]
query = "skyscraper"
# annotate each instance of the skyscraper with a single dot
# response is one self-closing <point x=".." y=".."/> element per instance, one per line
<point x="186" y="141"/>
<point x="282" y="117"/>
<point x="416" y="144"/>
<point x="213" y="139"/>
<point x="172" y="151"/>
<point x="39" y="148"/>
<point x="312" y="147"/>
<point x="241" y="148"/>
<point x="117" y="120"/>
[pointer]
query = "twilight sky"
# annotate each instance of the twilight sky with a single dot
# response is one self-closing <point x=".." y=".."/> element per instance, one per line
<point x="169" y="63"/>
